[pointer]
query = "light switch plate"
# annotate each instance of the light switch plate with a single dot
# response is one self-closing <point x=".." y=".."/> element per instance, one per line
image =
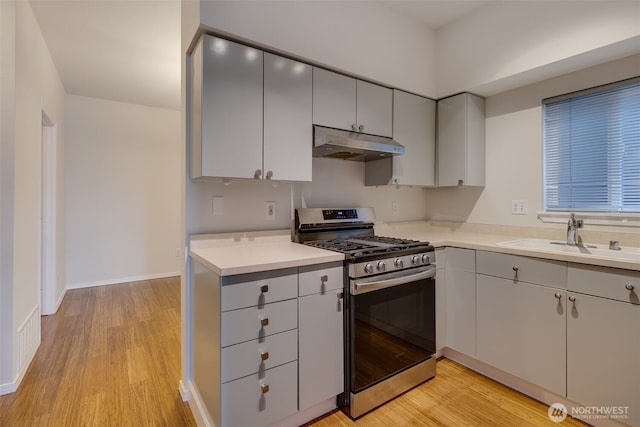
<point x="218" y="205"/>
<point x="519" y="207"/>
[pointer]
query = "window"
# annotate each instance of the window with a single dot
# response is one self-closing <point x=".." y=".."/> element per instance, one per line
<point x="591" y="145"/>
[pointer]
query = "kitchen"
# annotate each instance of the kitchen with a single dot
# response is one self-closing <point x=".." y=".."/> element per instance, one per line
<point x="513" y="110"/>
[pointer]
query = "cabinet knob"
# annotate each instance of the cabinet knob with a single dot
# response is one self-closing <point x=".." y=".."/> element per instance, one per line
<point x="354" y="127"/>
<point x="340" y="295"/>
<point x="461" y="182"/>
<point x="361" y="128"/>
<point x="515" y="268"/>
<point x="572" y="298"/>
<point x="629" y="287"/>
<point x="264" y="355"/>
<point x="264" y="388"/>
<point x="324" y="278"/>
<point x="257" y="173"/>
<point x="264" y="288"/>
<point x="264" y="322"/>
<point x="558" y="295"/>
<point x="269" y="175"/>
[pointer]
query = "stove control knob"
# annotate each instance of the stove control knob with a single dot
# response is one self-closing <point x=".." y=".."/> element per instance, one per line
<point x="415" y="260"/>
<point x="425" y="259"/>
<point x="382" y="266"/>
<point x="368" y="268"/>
<point x="399" y="263"/>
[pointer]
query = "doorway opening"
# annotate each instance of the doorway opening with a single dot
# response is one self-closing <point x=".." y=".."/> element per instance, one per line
<point x="48" y="162"/>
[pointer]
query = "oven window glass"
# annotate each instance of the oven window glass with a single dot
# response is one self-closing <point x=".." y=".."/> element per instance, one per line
<point x="393" y="329"/>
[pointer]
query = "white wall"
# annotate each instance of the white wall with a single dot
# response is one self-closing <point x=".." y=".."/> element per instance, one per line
<point x="123" y="191"/>
<point x="7" y="146"/>
<point x="37" y="88"/>
<point x="359" y="37"/>
<point x="514" y="151"/>
<point x="513" y="43"/>
<point x="336" y="183"/>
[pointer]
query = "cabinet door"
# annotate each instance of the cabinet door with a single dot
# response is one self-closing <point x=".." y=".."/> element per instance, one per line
<point x="374" y="109"/>
<point x="414" y="127"/>
<point x="288" y="130"/>
<point x="334" y="100"/>
<point x="603" y="349"/>
<point x="521" y="329"/>
<point x="321" y="347"/>
<point x="231" y="109"/>
<point x="461" y="300"/>
<point x="461" y="141"/>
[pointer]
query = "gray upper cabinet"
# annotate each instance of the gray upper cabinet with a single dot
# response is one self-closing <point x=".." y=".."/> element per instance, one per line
<point x="343" y="102"/>
<point x="374" y="109"/>
<point x="250" y="113"/>
<point x="287" y="119"/>
<point x="461" y="141"/>
<point x="226" y="109"/>
<point x="414" y="124"/>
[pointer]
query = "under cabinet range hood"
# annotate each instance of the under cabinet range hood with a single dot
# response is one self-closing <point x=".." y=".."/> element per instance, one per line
<point x="341" y="144"/>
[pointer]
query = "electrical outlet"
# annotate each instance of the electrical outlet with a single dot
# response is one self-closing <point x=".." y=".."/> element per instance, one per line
<point x="270" y="210"/>
<point x="394" y="207"/>
<point x="178" y="252"/>
<point x="519" y="207"/>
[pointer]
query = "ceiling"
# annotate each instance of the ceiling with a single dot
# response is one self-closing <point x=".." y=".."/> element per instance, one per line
<point x="129" y="50"/>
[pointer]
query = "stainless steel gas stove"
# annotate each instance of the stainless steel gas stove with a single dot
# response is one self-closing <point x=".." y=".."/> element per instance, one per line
<point x="389" y="304"/>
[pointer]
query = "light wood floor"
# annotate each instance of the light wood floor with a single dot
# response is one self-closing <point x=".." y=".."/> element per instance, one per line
<point x="111" y="357"/>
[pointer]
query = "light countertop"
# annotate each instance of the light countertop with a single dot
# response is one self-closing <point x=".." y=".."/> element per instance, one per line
<point x="487" y="239"/>
<point x="242" y="253"/>
<point x="250" y="252"/>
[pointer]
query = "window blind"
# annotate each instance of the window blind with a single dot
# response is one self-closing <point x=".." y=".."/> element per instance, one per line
<point x="591" y="150"/>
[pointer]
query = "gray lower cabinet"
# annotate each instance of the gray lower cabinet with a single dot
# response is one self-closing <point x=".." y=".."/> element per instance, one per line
<point x="603" y="346"/>
<point x="568" y="328"/>
<point x="521" y="329"/>
<point x="266" y="345"/>
<point x="460" y="272"/>
<point x="321" y="310"/>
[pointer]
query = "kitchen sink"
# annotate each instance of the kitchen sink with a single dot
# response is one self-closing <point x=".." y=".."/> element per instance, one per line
<point x="603" y="251"/>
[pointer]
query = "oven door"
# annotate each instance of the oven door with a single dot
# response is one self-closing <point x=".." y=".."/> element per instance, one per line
<point x="391" y="324"/>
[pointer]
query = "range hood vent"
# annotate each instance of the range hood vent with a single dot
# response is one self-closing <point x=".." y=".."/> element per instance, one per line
<point x="341" y="144"/>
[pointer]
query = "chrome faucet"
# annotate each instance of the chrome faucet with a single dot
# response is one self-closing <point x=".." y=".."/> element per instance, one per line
<point x="573" y="239"/>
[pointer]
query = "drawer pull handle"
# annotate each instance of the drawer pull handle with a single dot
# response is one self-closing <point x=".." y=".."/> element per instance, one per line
<point x="558" y="295"/>
<point x="264" y="289"/>
<point x="264" y="388"/>
<point x="264" y="322"/>
<point x="324" y="278"/>
<point x="572" y="298"/>
<point x="629" y="287"/>
<point x="340" y="295"/>
<point x="264" y="355"/>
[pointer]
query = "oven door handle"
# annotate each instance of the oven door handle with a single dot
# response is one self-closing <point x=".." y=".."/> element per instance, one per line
<point x="367" y="285"/>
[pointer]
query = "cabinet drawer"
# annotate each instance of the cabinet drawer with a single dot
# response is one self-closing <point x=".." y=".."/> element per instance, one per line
<point x="605" y="282"/>
<point x="260" y="290"/>
<point x="246" y="358"/>
<point x="247" y="324"/>
<point x="524" y="269"/>
<point x="311" y="281"/>
<point x="245" y="404"/>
